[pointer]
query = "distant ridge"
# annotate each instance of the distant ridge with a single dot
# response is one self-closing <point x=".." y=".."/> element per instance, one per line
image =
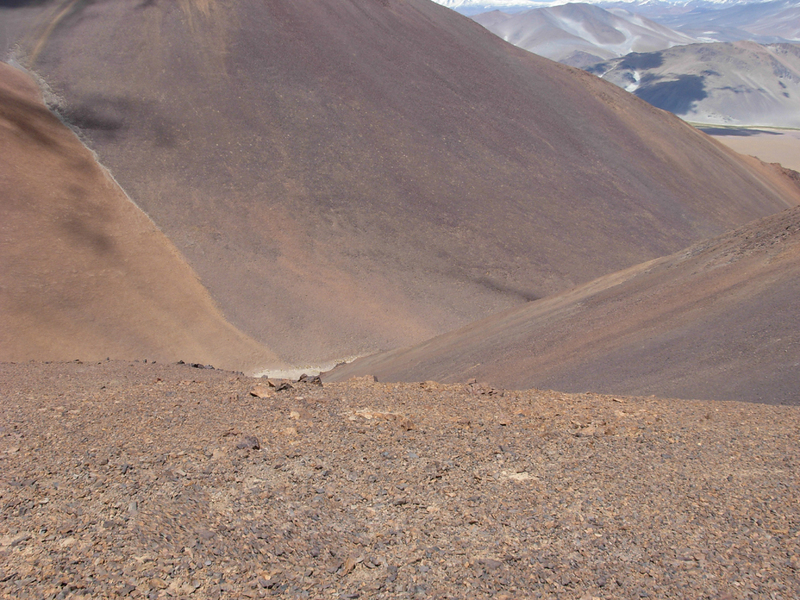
<point x="773" y="21"/>
<point x="741" y="83"/>
<point x="347" y="176"/>
<point x="581" y="34"/>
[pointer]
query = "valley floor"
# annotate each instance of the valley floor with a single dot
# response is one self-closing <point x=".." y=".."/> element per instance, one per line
<point x="142" y="480"/>
<point x="770" y="145"/>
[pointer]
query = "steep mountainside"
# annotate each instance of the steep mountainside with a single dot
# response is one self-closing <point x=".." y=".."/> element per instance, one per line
<point x="84" y="274"/>
<point x="720" y="320"/>
<point x="581" y="34"/>
<point x="353" y="175"/>
<point x="740" y="83"/>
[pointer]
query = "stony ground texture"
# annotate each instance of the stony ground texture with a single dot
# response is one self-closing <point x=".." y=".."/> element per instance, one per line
<point x="154" y="481"/>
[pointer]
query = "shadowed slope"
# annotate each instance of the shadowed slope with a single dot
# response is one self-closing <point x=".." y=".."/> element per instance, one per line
<point x="720" y="320"/>
<point x="83" y="272"/>
<point x="352" y="175"/>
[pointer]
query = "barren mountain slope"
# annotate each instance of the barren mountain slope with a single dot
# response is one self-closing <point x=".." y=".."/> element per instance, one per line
<point x="350" y="175"/>
<point x="139" y="481"/>
<point x="83" y="272"/>
<point x="720" y="320"/>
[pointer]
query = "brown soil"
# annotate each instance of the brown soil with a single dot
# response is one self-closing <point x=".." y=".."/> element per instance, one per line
<point x="152" y="481"/>
<point x="348" y="175"/>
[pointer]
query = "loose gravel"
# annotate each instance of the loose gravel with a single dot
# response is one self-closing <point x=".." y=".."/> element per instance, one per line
<point x="139" y="480"/>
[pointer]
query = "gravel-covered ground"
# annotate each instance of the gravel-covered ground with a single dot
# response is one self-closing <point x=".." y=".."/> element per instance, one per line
<point x="153" y="481"/>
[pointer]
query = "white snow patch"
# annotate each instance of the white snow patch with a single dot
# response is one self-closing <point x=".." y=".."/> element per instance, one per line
<point x="632" y="87"/>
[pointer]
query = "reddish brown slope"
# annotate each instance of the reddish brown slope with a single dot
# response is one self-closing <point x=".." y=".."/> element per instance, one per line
<point x="83" y="272"/>
<point x="350" y="175"/>
<point x="720" y="320"/>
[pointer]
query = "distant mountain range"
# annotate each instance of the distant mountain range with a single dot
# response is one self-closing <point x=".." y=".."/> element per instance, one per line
<point x="704" y="20"/>
<point x="581" y="34"/>
<point x="472" y="7"/>
<point x="740" y="83"/>
<point x="646" y="7"/>
<point x="764" y="22"/>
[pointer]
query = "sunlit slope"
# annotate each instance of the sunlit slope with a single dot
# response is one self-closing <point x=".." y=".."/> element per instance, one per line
<point x="347" y="176"/>
<point x="84" y="274"/>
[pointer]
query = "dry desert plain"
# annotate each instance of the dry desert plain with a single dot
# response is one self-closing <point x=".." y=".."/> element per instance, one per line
<point x="771" y="145"/>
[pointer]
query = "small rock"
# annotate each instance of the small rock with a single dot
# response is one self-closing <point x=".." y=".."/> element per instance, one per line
<point x="490" y="564"/>
<point x="350" y="564"/>
<point x="335" y="566"/>
<point x="262" y="391"/>
<point x="159" y="583"/>
<point x="249" y="442"/>
<point x="313" y="380"/>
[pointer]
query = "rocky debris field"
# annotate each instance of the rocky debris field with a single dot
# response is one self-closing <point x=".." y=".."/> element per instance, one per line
<point x="141" y="480"/>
